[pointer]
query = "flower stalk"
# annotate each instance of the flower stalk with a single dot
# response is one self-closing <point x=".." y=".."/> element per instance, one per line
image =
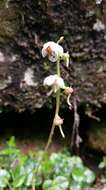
<point x="55" y="53"/>
<point x="56" y="112"/>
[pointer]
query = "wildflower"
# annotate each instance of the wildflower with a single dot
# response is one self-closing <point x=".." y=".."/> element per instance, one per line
<point x="55" y="81"/>
<point x="52" y="50"/>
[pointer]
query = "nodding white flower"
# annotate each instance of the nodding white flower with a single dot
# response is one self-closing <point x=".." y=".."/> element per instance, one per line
<point x="55" y="81"/>
<point x="52" y="50"/>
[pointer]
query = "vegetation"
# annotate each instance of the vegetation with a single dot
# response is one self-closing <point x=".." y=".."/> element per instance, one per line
<point x="59" y="171"/>
<point x="102" y="165"/>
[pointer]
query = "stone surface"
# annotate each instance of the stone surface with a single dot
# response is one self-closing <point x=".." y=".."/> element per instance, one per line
<point x="26" y="25"/>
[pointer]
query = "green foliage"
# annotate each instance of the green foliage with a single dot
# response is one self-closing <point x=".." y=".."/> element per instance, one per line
<point x="59" y="171"/>
<point x="103" y="163"/>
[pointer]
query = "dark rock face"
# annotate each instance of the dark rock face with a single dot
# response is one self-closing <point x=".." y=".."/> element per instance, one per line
<point x="26" y="25"/>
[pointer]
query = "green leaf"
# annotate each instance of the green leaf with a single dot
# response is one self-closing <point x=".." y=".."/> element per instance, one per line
<point x="29" y="180"/>
<point x="83" y="175"/>
<point x="4" y="177"/>
<point x="18" y="175"/>
<point x="29" y="166"/>
<point x="103" y="163"/>
<point x="78" y="174"/>
<point x="11" y="142"/>
<point x="47" y="184"/>
<point x="19" y="181"/>
<point x="38" y="180"/>
<point x="76" y="186"/>
<point x="89" y="176"/>
<point x="75" y="161"/>
<point x="10" y="152"/>
<point x="46" y="167"/>
<point x="59" y="183"/>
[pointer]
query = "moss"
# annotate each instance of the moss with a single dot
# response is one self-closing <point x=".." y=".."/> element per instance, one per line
<point x="9" y="20"/>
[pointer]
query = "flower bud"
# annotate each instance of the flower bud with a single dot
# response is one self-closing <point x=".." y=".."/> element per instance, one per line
<point x="58" y="120"/>
<point x="68" y="90"/>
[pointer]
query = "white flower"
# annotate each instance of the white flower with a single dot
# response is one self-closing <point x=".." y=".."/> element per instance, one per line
<point x="52" y="50"/>
<point x="55" y="81"/>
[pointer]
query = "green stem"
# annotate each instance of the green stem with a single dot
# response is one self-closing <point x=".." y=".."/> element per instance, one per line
<point x="53" y="124"/>
<point x="58" y="67"/>
<point x="56" y="110"/>
<point x="33" y="183"/>
<point x="58" y="91"/>
<point x="9" y="186"/>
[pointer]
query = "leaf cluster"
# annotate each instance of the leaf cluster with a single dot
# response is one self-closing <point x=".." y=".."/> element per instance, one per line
<point x="58" y="171"/>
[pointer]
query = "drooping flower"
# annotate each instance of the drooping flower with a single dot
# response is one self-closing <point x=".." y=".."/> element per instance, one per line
<point x="55" y="82"/>
<point x="52" y="50"/>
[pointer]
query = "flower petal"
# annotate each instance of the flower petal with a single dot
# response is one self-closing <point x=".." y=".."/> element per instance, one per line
<point x="53" y="50"/>
<point x="55" y="81"/>
<point x="44" y="52"/>
<point x="49" y="81"/>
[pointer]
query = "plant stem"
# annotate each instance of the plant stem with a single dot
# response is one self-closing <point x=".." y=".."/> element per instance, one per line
<point x="56" y="110"/>
<point x="33" y="184"/>
<point x="9" y="186"/>
<point x="58" y="67"/>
